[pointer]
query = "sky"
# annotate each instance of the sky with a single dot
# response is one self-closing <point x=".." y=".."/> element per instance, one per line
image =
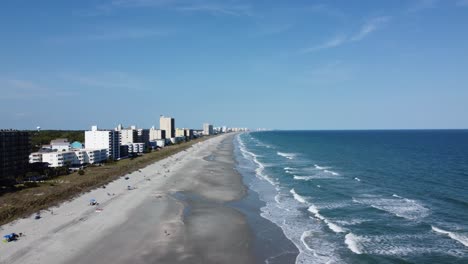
<point x="324" y="64"/>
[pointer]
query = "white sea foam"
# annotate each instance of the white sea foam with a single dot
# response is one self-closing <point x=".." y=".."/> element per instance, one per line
<point x="397" y="196"/>
<point x="277" y="198"/>
<point x="399" y="206"/>
<point x="352" y="241"/>
<point x="334" y="227"/>
<point x="298" y="197"/>
<point x="458" y="237"/>
<point x="331" y="172"/>
<point x="286" y="155"/>
<point x="313" y="209"/>
<point x="303" y="236"/>
<point x="304" y="178"/>
<point x="320" y="168"/>
<point x="351" y="222"/>
<point x="357" y="179"/>
<point x="401" y="245"/>
<point x="314" y="177"/>
<point x="318" y="186"/>
<point x="260" y="167"/>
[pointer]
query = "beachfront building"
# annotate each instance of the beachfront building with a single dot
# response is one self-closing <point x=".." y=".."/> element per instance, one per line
<point x="35" y="157"/>
<point x="69" y="158"/>
<point x="188" y="133"/>
<point x="143" y="136"/>
<point x="168" y="125"/>
<point x="15" y="147"/>
<point x="128" y="136"/>
<point x="60" y="144"/>
<point x="180" y="132"/>
<point x="155" y="134"/>
<point x="158" y="143"/>
<point x="207" y="129"/>
<point x="136" y="147"/>
<point x="59" y="159"/>
<point x="104" y="139"/>
<point x="93" y="156"/>
<point x="76" y="145"/>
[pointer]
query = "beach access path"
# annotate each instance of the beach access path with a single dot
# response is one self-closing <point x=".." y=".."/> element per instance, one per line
<point x="173" y="211"/>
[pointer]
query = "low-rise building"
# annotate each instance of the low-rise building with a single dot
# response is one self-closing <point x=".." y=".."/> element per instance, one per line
<point x="59" y="159"/>
<point x="136" y="147"/>
<point x="60" y="144"/>
<point x="35" y="157"/>
<point x="69" y="158"/>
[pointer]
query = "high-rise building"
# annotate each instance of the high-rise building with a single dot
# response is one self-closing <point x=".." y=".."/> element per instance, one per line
<point x="128" y="136"/>
<point x="167" y="124"/>
<point x="189" y="133"/>
<point x="99" y="139"/>
<point x="155" y="134"/>
<point x="143" y="136"/>
<point x="207" y="129"/>
<point x="15" y="147"/>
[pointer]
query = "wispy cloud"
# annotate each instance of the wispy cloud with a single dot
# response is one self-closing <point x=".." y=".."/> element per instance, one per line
<point x="334" y="42"/>
<point x="369" y="27"/>
<point x="111" y="34"/>
<point x="213" y="7"/>
<point x="218" y="9"/>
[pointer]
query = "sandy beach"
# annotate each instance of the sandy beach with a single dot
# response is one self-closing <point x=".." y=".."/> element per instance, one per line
<point x="174" y="212"/>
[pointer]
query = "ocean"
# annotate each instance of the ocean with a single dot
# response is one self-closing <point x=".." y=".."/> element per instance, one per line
<point x="396" y="196"/>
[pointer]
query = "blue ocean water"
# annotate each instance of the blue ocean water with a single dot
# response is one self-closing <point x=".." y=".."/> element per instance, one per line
<point x="364" y="196"/>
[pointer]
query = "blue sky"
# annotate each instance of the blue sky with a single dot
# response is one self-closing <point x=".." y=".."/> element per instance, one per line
<point x="275" y="64"/>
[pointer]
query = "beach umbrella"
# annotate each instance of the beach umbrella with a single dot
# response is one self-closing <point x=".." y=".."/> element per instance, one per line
<point x="92" y="200"/>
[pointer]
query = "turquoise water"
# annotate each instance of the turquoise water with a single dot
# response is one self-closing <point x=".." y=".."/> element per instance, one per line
<point x="364" y="196"/>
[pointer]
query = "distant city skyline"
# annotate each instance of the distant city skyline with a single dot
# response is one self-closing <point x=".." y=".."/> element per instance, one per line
<point x="241" y="63"/>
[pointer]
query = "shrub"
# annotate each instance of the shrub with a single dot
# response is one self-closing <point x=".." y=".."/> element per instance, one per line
<point x="81" y="172"/>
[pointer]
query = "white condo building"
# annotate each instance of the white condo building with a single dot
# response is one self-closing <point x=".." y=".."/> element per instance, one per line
<point x="155" y="134"/>
<point x="104" y="139"/>
<point x="70" y="158"/>
<point x="207" y="129"/>
<point x="168" y="125"/>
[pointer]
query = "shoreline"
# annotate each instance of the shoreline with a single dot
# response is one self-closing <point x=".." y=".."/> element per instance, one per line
<point x="161" y="220"/>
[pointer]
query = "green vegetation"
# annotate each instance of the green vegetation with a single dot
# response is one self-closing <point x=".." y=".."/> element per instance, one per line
<point x="32" y="197"/>
<point x="44" y="137"/>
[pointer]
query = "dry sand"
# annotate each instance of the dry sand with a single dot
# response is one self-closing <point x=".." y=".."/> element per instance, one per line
<point x="175" y="214"/>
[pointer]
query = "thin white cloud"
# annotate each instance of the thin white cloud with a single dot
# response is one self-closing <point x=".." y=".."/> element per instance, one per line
<point x="334" y="42"/>
<point x="218" y="9"/>
<point x="213" y="7"/>
<point x="369" y="27"/>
